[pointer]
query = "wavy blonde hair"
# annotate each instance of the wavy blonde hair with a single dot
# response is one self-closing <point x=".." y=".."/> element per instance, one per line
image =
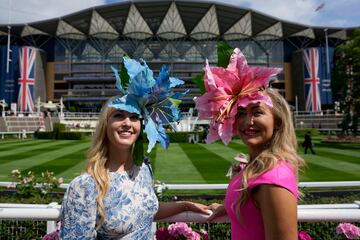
<point x="97" y="156"/>
<point x="282" y="146"/>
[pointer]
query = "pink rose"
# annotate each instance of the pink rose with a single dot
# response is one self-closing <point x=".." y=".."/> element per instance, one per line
<point x="303" y="235"/>
<point x="349" y="230"/>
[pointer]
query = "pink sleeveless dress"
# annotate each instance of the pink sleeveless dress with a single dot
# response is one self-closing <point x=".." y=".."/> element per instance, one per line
<point x="251" y="226"/>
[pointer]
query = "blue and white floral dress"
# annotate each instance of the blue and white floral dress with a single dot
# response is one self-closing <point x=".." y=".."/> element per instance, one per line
<point x="130" y="206"/>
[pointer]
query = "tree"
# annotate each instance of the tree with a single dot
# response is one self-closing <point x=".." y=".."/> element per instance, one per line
<point x="346" y="81"/>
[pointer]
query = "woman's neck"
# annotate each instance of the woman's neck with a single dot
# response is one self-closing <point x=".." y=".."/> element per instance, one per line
<point x="119" y="160"/>
<point x="253" y="153"/>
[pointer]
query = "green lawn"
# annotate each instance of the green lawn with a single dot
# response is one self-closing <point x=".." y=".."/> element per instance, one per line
<point x="181" y="163"/>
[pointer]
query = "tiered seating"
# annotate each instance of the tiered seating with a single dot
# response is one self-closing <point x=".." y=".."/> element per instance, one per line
<point x="325" y="122"/>
<point x="26" y="123"/>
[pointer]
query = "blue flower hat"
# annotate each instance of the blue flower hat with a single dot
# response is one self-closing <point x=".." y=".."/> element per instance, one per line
<point x="151" y="98"/>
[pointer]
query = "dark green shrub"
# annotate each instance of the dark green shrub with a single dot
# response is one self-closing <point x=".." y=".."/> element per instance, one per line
<point x="71" y="136"/>
<point x="300" y="132"/>
<point x="44" y="135"/>
<point x="183" y="137"/>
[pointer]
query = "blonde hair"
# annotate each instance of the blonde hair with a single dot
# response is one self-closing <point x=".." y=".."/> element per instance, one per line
<point x="97" y="157"/>
<point x="282" y="146"/>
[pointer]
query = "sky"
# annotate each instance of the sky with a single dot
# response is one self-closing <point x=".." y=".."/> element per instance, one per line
<point x="324" y="13"/>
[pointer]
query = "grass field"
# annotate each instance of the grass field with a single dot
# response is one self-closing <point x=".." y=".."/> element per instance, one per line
<point x="181" y="163"/>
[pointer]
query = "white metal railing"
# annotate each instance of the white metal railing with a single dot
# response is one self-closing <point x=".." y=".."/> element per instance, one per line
<point x="306" y="213"/>
<point x="224" y="185"/>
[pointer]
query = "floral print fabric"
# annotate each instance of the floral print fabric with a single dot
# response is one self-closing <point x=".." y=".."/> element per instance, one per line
<point x="130" y="206"/>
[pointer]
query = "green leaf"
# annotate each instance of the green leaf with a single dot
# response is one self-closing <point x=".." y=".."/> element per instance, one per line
<point x="199" y="81"/>
<point x="224" y="52"/>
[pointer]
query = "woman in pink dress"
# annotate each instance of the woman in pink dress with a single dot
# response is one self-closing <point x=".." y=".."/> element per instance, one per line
<point x="261" y="200"/>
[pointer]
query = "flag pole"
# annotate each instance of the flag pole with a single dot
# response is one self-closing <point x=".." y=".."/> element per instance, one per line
<point x="327" y="61"/>
<point x="327" y="54"/>
<point x="8" y="60"/>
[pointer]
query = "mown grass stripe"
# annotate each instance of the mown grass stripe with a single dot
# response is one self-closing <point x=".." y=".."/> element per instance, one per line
<point x="173" y="166"/>
<point x="342" y="146"/>
<point x="72" y="172"/>
<point x="239" y="146"/>
<point x="211" y="167"/>
<point x="4" y="146"/>
<point x="318" y="172"/>
<point x="25" y="149"/>
<point x="349" y="168"/>
<point x="222" y="151"/>
<point x="60" y="164"/>
<point x="350" y="154"/>
<point x="34" y="152"/>
<point x="40" y="159"/>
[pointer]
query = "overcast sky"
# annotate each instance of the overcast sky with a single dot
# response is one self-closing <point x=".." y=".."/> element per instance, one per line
<point x="330" y="13"/>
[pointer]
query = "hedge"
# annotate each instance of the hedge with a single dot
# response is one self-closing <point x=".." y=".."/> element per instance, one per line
<point x="300" y="132"/>
<point x="59" y="133"/>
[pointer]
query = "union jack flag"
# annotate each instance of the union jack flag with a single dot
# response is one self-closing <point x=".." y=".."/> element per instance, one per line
<point x="312" y="81"/>
<point x="27" y="79"/>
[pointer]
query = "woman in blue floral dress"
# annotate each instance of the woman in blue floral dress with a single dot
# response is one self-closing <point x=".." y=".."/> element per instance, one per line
<point x="115" y="198"/>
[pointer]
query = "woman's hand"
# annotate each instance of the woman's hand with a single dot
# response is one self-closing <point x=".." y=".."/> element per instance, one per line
<point x="167" y="209"/>
<point x="218" y="211"/>
<point x="196" y="207"/>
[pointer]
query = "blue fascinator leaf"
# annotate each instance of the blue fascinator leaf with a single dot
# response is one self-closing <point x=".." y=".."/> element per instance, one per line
<point x="141" y="77"/>
<point x="151" y="133"/>
<point x="163" y="137"/>
<point x="175" y="82"/>
<point x="118" y="80"/>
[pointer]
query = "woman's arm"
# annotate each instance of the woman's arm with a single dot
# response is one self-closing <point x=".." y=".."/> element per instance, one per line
<point x="167" y="209"/>
<point x="78" y="210"/>
<point x="278" y="207"/>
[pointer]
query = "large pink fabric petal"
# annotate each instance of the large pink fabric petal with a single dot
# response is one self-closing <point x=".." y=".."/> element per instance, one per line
<point x="225" y="130"/>
<point x="213" y="134"/>
<point x="261" y="75"/>
<point x="207" y="106"/>
<point x="226" y="79"/>
<point x="237" y="64"/>
<point x="209" y="78"/>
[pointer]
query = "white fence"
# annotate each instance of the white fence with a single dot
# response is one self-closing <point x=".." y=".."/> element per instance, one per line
<point x="224" y="186"/>
<point x="306" y="213"/>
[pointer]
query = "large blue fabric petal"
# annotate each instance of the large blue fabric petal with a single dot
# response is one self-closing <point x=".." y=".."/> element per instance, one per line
<point x="141" y="77"/>
<point x="162" y="83"/>
<point x="151" y="133"/>
<point x="162" y="137"/>
<point x="118" y="80"/>
<point x="175" y="82"/>
<point x="127" y="103"/>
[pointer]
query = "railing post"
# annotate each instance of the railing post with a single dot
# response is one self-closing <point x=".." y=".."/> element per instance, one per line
<point x="51" y="225"/>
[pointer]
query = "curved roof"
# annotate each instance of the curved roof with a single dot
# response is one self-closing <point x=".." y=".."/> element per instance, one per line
<point x="171" y="20"/>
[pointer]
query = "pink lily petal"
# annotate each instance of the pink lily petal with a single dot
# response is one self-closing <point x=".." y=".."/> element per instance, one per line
<point x="226" y="79"/>
<point x="207" y="106"/>
<point x="237" y="64"/>
<point x="213" y="134"/>
<point x="209" y="78"/>
<point x="225" y="130"/>
<point x="261" y="76"/>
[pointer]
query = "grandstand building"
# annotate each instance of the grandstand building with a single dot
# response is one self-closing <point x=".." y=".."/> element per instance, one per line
<point x="70" y="57"/>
